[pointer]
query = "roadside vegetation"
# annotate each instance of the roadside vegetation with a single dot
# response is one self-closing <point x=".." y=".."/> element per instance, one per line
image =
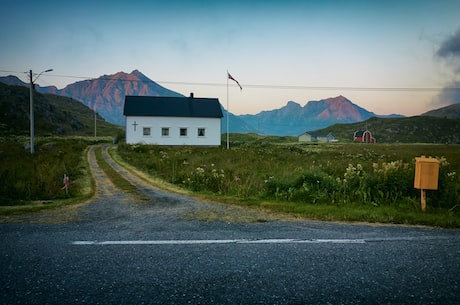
<point x="33" y="182"/>
<point x="350" y="182"/>
<point x="340" y="181"/>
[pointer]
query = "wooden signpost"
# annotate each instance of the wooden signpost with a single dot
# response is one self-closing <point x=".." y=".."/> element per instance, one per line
<point x="426" y="177"/>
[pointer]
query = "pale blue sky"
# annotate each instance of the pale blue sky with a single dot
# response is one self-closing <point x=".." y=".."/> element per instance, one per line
<point x="322" y="48"/>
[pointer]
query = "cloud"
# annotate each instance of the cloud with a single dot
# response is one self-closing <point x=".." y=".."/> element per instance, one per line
<point x="450" y="47"/>
<point x="449" y="50"/>
<point x="450" y="94"/>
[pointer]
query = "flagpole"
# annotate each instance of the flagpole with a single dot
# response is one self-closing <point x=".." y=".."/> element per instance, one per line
<point x="228" y="117"/>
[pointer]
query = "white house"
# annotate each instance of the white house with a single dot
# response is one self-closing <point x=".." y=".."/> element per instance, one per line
<point x="314" y="136"/>
<point x="173" y="120"/>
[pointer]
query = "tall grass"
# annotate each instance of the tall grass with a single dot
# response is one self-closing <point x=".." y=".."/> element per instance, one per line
<point x="25" y="177"/>
<point x="329" y="174"/>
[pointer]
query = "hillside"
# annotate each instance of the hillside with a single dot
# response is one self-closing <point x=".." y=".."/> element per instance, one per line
<point x="450" y="112"/>
<point x="417" y="129"/>
<point x="54" y="115"/>
<point x="105" y="94"/>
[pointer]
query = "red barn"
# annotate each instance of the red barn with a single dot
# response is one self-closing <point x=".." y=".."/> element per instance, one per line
<point x="363" y="136"/>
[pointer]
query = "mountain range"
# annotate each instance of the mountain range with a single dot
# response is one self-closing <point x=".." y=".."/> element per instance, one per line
<point x="293" y="119"/>
<point x="106" y="96"/>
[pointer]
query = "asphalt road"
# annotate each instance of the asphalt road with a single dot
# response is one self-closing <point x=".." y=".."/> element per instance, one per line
<point x="158" y="248"/>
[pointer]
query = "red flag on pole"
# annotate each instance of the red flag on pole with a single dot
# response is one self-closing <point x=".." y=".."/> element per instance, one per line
<point x="231" y="77"/>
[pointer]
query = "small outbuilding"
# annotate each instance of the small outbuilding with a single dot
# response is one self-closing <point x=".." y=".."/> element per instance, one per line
<point x="363" y="136"/>
<point x="317" y="137"/>
<point x="173" y="120"/>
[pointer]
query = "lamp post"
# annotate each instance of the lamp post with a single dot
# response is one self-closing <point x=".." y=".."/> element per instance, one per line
<point x="32" y="150"/>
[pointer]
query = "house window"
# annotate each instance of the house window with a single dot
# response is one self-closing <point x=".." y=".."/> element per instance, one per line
<point x="201" y="132"/>
<point x="183" y="132"/>
<point x="146" y="131"/>
<point x="165" y="132"/>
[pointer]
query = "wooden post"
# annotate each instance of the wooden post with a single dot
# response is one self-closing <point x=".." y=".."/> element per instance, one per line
<point x="423" y="199"/>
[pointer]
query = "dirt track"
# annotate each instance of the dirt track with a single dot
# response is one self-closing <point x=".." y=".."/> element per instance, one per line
<point x="109" y="202"/>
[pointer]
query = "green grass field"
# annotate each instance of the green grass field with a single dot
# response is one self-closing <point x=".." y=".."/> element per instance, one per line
<point x="27" y="178"/>
<point x="29" y="183"/>
<point x="346" y="182"/>
<point x="340" y="182"/>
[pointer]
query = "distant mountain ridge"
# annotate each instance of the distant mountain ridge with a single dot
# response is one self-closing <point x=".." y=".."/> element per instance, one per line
<point x="106" y="95"/>
<point x="64" y="116"/>
<point x="293" y="119"/>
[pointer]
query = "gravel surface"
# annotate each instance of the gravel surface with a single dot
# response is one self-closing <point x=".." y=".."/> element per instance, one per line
<point x="160" y="248"/>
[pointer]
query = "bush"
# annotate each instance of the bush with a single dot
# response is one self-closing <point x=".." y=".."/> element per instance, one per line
<point x="388" y="183"/>
<point x="205" y="179"/>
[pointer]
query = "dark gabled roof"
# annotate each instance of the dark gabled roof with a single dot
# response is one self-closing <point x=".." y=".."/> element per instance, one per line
<point x="172" y="106"/>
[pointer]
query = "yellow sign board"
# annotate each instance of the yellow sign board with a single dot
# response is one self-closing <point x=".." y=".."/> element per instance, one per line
<point x="426" y="173"/>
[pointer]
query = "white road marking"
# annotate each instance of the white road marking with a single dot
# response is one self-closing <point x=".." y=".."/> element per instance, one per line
<point x="218" y="241"/>
<point x="259" y="241"/>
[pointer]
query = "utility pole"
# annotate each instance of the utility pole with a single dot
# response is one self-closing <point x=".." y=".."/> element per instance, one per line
<point x="32" y="131"/>
<point x="95" y="114"/>
<point x="32" y="141"/>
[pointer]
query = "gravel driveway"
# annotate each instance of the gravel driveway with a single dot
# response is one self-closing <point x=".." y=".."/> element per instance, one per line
<point x="149" y="203"/>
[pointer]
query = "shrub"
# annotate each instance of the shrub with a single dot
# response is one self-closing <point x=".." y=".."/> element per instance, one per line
<point x="448" y="193"/>
<point x="389" y="183"/>
<point x="205" y="179"/>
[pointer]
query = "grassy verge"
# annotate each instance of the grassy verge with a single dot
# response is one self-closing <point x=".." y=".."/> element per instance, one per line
<point x="350" y="213"/>
<point x="359" y="213"/>
<point x="345" y="182"/>
<point x="151" y="180"/>
<point x="39" y="205"/>
<point x="116" y="179"/>
<point x="86" y="189"/>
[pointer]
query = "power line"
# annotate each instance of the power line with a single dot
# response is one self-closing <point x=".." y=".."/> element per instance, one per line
<point x="261" y="86"/>
<point x="332" y="88"/>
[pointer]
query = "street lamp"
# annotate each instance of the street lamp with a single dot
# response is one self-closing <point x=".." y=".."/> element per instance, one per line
<point x="32" y="150"/>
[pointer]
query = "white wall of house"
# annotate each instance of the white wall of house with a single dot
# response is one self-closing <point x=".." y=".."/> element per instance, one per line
<point x="170" y="131"/>
<point x="323" y="139"/>
<point x="306" y="137"/>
